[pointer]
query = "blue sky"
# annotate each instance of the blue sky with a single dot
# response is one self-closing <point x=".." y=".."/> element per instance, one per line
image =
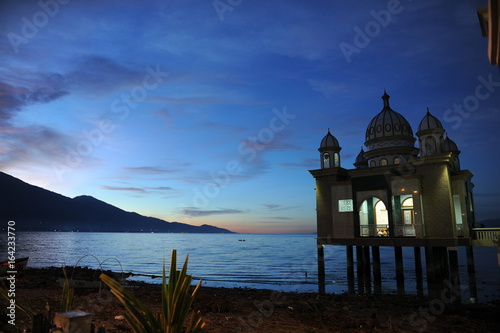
<point x="212" y="111"/>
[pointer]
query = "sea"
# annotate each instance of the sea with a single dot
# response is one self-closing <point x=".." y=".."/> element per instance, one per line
<point x="281" y="262"/>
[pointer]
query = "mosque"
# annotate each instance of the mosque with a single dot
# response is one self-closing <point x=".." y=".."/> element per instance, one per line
<point x="402" y="192"/>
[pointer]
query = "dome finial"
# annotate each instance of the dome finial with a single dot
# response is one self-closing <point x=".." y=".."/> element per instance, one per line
<point x="428" y="112"/>
<point x="385" y="97"/>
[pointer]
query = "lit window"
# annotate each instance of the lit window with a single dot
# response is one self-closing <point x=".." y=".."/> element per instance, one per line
<point x="326" y="160"/>
<point x="336" y="160"/>
<point x="397" y="160"/>
<point x="345" y="205"/>
<point x="372" y="163"/>
<point x="383" y="161"/>
<point x="407" y="202"/>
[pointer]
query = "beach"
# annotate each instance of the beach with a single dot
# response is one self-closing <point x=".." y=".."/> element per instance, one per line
<point x="260" y="310"/>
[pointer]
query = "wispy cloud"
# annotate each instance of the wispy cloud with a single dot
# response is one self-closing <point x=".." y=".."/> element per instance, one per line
<point x="123" y="188"/>
<point x="142" y="190"/>
<point x="101" y="75"/>
<point x="306" y="163"/>
<point x="149" y="170"/>
<point x="13" y="97"/>
<point x="196" y="212"/>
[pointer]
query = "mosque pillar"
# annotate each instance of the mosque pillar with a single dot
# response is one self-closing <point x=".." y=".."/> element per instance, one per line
<point x="360" y="269"/>
<point x="471" y="270"/>
<point x="418" y="271"/>
<point x="350" y="269"/>
<point x="321" y="269"/>
<point x="400" y="278"/>
<point x="367" y="269"/>
<point x="377" y="276"/>
<point x="454" y="272"/>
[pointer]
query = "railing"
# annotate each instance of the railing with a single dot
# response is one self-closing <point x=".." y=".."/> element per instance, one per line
<point x="379" y="230"/>
<point x="405" y="230"/>
<point x="486" y="237"/>
<point x="402" y="230"/>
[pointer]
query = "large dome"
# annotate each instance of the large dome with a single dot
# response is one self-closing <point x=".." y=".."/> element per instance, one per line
<point x="388" y="124"/>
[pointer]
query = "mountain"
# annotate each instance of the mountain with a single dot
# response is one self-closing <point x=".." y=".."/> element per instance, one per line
<point x="490" y="223"/>
<point x="38" y="209"/>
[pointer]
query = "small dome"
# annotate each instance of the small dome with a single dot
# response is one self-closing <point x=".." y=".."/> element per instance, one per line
<point x="329" y="141"/>
<point x="449" y="146"/>
<point x="361" y="159"/>
<point x="388" y="124"/>
<point x="429" y="122"/>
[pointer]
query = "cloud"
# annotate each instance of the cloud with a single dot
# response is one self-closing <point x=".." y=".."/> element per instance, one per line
<point x="271" y="206"/>
<point x="123" y="188"/>
<point x="196" y="212"/>
<point x="276" y="207"/>
<point x="306" y="163"/>
<point x="14" y="97"/>
<point x="34" y="146"/>
<point x="326" y="87"/>
<point x="142" y="190"/>
<point x="21" y="87"/>
<point x="149" y="170"/>
<point x="160" y="188"/>
<point x="100" y="75"/>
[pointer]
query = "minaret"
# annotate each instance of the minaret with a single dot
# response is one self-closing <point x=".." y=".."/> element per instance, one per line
<point x="329" y="152"/>
<point x="430" y="135"/>
<point x="449" y="146"/>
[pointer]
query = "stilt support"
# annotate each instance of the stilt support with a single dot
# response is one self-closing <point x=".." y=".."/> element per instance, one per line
<point x="472" y="274"/>
<point x="321" y="269"/>
<point x="400" y="278"/>
<point x="350" y="269"/>
<point x="418" y="271"/>
<point x="367" y="269"/>
<point x="377" y="275"/>
<point x="454" y="274"/>
<point x="360" y="270"/>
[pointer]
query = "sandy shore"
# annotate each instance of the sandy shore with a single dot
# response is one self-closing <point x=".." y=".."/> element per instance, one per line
<point x="249" y="310"/>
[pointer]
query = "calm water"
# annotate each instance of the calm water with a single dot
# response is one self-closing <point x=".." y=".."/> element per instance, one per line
<point x="282" y="262"/>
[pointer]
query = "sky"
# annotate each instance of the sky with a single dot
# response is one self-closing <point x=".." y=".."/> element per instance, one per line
<point x="211" y="112"/>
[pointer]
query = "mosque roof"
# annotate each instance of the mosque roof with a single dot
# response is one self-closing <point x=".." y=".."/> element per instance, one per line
<point x="388" y="124"/>
<point x="329" y="141"/>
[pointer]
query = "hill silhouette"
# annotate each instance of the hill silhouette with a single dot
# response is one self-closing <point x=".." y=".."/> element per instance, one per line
<point x="38" y="209"/>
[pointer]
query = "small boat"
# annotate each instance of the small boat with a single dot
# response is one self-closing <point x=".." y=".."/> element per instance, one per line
<point x="16" y="266"/>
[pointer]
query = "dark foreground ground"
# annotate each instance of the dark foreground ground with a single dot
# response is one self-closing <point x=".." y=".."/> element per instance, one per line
<point x="248" y="310"/>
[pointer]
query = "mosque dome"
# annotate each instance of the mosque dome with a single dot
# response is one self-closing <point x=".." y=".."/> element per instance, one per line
<point x="449" y="146"/>
<point x="388" y="125"/>
<point x="329" y="141"/>
<point x="361" y="160"/>
<point x="429" y="122"/>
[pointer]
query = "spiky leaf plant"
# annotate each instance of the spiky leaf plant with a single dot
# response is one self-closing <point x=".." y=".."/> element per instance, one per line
<point x="67" y="294"/>
<point x="176" y="303"/>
